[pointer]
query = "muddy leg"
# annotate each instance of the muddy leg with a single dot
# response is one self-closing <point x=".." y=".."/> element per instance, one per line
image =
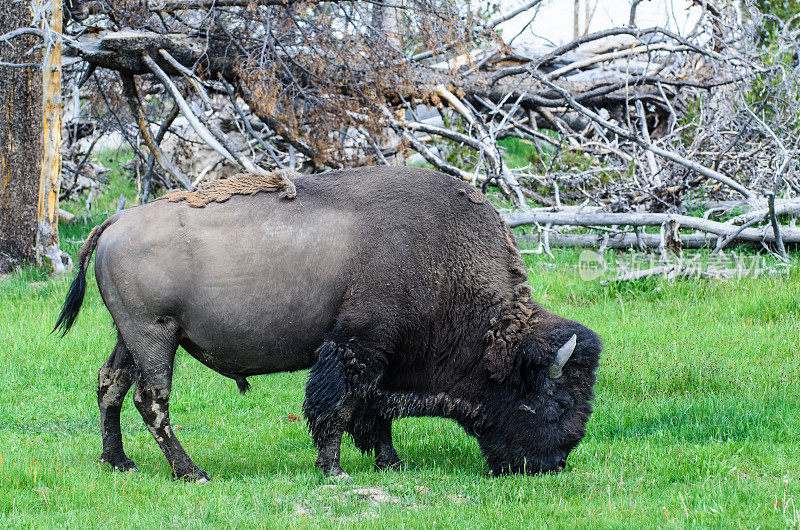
<point x="152" y="400"/>
<point x="114" y="380"/>
<point x="342" y="377"/>
<point x="153" y="351"/>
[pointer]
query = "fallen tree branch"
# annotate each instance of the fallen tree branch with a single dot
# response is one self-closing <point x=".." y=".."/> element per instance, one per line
<point x="723" y="243"/>
<point x="162" y="131"/>
<point x="506" y="181"/>
<point x="673" y="271"/>
<point x="560" y="51"/>
<point x="622" y="240"/>
<point x="647" y="48"/>
<point x="669" y="155"/>
<point x="789" y="235"/>
<point x="248" y="126"/>
<point x="226" y="142"/>
<point x="431" y="157"/>
<point x="776" y="228"/>
<point x="438" y="131"/>
<point x="132" y="95"/>
<point x="783" y="208"/>
<point x="193" y="120"/>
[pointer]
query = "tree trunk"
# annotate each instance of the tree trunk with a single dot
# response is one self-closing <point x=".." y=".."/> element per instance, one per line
<point x="576" y="20"/>
<point x="20" y="139"/>
<point x="48" y="250"/>
<point x="386" y="20"/>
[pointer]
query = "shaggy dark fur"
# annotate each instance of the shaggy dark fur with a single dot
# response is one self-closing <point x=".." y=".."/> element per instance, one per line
<point x="401" y="288"/>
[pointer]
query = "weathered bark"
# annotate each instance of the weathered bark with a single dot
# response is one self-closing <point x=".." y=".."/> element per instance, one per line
<point x="48" y="249"/>
<point x="123" y="51"/>
<point x="386" y="20"/>
<point x="620" y="240"/>
<point x="20" y="140"/>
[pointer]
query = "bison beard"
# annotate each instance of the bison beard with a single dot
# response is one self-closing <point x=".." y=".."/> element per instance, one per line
<point x="402" y="292"/>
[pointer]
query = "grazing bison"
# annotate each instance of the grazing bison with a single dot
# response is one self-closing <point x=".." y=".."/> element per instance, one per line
<point x="401" y="288"/>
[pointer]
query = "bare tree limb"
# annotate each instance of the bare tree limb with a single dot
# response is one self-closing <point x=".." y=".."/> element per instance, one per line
<point x="193" y="120"/>
<point x="789" y="235"/>
<point x="132" y="95"/>
<point x="669" y="155"/>
<point x="776" y="228"/>
<point x="162" y="131"/>
<point x="249" y="127"/>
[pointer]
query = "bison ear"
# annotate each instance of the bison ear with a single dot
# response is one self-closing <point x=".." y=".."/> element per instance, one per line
<point x="532" y="363"/>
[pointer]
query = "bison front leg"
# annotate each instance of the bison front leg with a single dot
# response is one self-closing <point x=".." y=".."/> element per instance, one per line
<point x="114" y="380"/>
<point x="342" y="378"/>
<point x="373" y="432"/>
<point x="386" y="456"/>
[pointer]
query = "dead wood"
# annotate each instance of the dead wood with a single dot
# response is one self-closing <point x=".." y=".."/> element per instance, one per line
<point x="616" y="99"/>
<point x="132" y="95"/>
<point x="618" y="240"/>
<point x="765" y="234"/>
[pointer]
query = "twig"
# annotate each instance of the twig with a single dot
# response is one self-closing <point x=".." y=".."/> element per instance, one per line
<point x="132" y="95"/>
<point x="776" y="230"/>
<point x="193" y="120"/>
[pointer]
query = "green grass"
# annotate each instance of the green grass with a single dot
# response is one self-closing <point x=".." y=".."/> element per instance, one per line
<point x="521" y="152"/>
<point x="696" y="424"/>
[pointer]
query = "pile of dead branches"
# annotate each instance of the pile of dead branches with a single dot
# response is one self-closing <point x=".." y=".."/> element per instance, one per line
<point x="630" y="127"/>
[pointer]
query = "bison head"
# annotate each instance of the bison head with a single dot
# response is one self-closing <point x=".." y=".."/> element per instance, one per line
<point x="539" y="414"/>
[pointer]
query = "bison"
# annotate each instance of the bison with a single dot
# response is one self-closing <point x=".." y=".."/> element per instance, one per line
<point x="402" y="290"/>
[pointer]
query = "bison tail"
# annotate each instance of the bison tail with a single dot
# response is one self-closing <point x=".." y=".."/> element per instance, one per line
<point x="72" y="304"/>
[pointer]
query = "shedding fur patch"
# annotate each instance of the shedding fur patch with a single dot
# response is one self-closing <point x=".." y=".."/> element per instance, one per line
<point x="477" y="197"/>
<point x="515" y="316"/>
<point x="501" y="345"/>
<point x="241" y="184"/>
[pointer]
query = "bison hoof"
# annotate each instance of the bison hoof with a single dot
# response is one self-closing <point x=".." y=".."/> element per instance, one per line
<point x="193" y="475"/>
<point x="394" y="464"/>
<point x="119" y="463"/>
<point x="338" y="474"/>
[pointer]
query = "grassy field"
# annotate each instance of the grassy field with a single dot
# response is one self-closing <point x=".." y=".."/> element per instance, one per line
<point x="696" y="424"/>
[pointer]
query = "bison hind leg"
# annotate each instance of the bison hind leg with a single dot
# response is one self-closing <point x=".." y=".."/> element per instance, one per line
<point x="113" y="382"/>
<point x="152" y="346"/>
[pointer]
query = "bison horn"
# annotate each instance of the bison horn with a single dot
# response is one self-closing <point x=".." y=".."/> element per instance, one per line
<point x="562" y="356"/>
